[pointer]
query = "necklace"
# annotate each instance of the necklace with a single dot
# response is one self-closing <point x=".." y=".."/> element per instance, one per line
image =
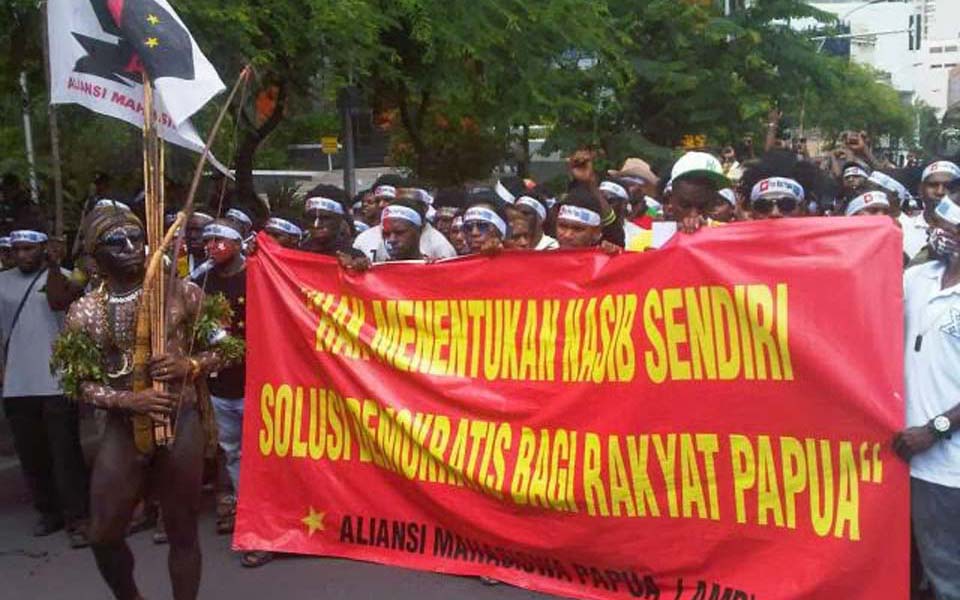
<point x="130" y="296"/>
<point x="118" y="318"/>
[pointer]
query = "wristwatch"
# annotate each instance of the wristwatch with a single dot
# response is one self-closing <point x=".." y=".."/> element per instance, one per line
<point x="941" y="427"/>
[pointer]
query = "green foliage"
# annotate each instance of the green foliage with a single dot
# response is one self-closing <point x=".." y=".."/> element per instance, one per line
<point x="215" y="315"/>
<point x="451" y="82"/>
<point x="76" y="358"/>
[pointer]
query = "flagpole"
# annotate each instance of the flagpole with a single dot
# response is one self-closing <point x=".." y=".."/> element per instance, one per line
<point x="54" y="135"/>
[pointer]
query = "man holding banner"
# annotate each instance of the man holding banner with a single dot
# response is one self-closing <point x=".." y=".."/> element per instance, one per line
<point x="930" y="443"/>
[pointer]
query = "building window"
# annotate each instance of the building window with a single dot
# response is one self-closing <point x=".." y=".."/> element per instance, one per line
<point x="936" y="66"/>
<point x="936" y="49"/>
<point x="950" y="49"/>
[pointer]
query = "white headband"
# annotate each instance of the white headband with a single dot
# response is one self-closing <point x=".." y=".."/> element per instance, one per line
<point x="479" y="213"/>
<point x="949" y="211"/>
<point x="578" y="214"/>
<point x="854" y="172"/>
<point x="457" y="223"/>
<point x="5" y="242"/>
<point x="536" y="206"/>
<point x="775" y="187"/>
<point x="404" y="213"/>
<point x="940" y="167"/>
<point x="865" y="200"/>
<point x="890" y="184"/>
<point x="730" y="196"/>
<point x="239" y="215"/>
<point x="321" y="203"/>
<point x="283" y="226"/>
<point x="202" y="216"/>
<point x="447" y="211"/>
<point x="221" y="231"/>
<point x="385" y="191"/>
<point x="111" y="203"/>
<point x="614" y="188"/>
<point x="504" y="193"/>
<point x="360" y="226"/>
<point x="635" y="180"/>
<point x="551" y="202"/>
<point x="27" y="236"/>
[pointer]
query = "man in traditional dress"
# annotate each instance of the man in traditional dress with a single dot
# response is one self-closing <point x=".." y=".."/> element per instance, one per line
<point x="99" y="340"/>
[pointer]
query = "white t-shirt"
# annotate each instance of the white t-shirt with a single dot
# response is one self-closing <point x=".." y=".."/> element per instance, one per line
<point x="914" y="233"/>
<point x="433" y="244"/>
<point x="27" y="371"/>
<point x="547" y="243"/>
<point x="931" y="374"/>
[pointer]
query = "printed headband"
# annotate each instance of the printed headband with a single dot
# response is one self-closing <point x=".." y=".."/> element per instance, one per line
<point x="404" y="213"/>
<point x="615" y="189"/>
<point x="201" y="216"/>
<point x="536" y="206"/>
<point x="854" y="172"/>
<point x="865" y="200"/>
<point x="5" y="242"/>
<point x="729" y="195"/>
<point x="890" y="184"/>
<point x="111" y="204"/>
<point x="941" y="167"/>
<point x="949" y="211"/>
<point x="447" y="211"/>
<point x="239" y="215"/>
<point x="775" y="187"/>
<point x="385" y="191"/>
<point x="504" y="193"/>
<point x="479" y="213"/>
<point x="283" y="226"/>
<point x="27" y="236"/>
<point x="360" y="226"/>
<point x="417" y="194"/>
<point x="578" y="214"/>
<point x="326" y="204"/>
<point x="216" y="230"/>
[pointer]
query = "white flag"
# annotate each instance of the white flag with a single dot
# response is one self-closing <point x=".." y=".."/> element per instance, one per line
<point x="93" y="66"/>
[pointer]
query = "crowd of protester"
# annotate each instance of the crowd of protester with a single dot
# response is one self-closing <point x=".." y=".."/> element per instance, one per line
<point x="633" y="208"/>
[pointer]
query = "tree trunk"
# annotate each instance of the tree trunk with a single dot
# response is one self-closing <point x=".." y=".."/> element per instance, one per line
<point x="247" y="150"/>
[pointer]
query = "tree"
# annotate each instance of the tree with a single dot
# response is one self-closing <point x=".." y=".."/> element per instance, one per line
<point x="453" y="78"/>
<point x="303" y="51"/>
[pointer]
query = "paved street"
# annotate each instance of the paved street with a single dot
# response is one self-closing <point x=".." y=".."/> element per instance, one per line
<point x="46" y="568"/>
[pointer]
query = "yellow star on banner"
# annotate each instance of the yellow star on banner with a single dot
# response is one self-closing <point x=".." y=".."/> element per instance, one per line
<point x="152" y="42"/>
<point x="314" y="521"/>
<point x="153" y="20"/>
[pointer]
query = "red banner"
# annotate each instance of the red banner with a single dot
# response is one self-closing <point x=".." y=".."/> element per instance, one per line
<point x="707" y="421"/>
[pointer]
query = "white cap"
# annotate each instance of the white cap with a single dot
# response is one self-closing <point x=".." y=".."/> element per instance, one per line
<point x="699" y="164"/>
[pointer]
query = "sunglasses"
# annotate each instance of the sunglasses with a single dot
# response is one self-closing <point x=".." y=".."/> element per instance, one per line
<point x="765" y="206"/>
<point x="119" y="239"/>
<point x="481" y="226"/>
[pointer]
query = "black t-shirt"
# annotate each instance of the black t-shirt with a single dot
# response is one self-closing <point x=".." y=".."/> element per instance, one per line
<point x="229" y="382"/>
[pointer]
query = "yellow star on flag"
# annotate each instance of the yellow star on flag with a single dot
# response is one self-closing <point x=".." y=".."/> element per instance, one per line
<point x="314" y="521"/>
<point x="152" y="42"/>
<point x="153" y="20"/>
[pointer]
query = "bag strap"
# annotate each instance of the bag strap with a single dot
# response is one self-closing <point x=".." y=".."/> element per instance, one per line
<point x="16" y="316"/>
